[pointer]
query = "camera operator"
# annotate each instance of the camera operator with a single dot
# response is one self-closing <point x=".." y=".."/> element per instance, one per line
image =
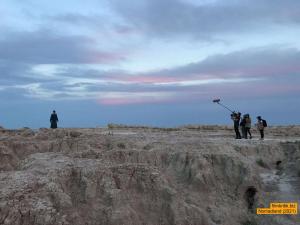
<point x="236" y="117"/>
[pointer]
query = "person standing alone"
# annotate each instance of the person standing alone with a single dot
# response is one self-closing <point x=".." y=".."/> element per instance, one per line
<point x="53" y="120"/>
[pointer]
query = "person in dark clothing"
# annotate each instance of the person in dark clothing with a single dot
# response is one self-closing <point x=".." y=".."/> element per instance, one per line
<point x="243" y="126"/>
<point x="260" y="127"/>
<point x="248" y="125"/>
<point x="236" y="121"/>
<point x="53" y="120"/>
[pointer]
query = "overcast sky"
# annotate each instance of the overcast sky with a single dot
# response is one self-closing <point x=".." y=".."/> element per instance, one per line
<point x="150" y="62"/>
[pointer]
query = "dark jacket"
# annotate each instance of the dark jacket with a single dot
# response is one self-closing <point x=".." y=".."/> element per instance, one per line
<point x="53" y="117"/>
<point x="53" y="120"/>
<point x="236" y="119"/>
<point x="243" y="122"/>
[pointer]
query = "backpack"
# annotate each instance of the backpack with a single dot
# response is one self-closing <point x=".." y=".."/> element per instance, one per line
<point x="243" y="122"/>
<point x="264" y="123"/>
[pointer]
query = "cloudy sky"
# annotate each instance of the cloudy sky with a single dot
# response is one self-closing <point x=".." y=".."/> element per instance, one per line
<point x="152" y="62"/>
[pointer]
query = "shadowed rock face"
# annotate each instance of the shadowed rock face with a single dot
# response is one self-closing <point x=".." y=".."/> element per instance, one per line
<point x="146" y="176"/>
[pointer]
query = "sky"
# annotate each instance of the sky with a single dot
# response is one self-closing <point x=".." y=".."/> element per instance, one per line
<point x="148" y="62"/>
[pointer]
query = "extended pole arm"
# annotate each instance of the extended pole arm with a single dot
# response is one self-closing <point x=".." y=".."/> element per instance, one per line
<point x="225" y="107"/>
<point x="218" y="102"/>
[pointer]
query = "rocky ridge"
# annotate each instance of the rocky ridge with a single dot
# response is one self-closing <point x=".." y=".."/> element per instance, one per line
<point x="192" y="175"/>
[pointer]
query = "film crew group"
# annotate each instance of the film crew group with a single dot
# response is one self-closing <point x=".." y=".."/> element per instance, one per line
<point x="245" y="124"/>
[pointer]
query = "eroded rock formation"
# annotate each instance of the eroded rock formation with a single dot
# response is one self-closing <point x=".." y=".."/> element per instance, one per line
<point x="146" y="176"/>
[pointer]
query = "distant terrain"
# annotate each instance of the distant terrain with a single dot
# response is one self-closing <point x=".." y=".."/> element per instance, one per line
<point x="131" y="175"/>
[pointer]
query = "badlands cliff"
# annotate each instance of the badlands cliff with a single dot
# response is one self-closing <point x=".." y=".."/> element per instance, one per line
<point x="193" y="175"/>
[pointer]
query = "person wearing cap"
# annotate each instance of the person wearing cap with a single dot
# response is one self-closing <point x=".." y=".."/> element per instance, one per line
<point x="260" y="127"/>
<point x="53" y="120"/>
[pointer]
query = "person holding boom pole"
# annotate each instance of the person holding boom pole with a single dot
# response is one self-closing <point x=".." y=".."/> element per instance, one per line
<point x="236" y="117"/>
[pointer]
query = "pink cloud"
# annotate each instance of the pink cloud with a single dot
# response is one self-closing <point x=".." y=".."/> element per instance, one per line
<point x="124" y="98"/>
